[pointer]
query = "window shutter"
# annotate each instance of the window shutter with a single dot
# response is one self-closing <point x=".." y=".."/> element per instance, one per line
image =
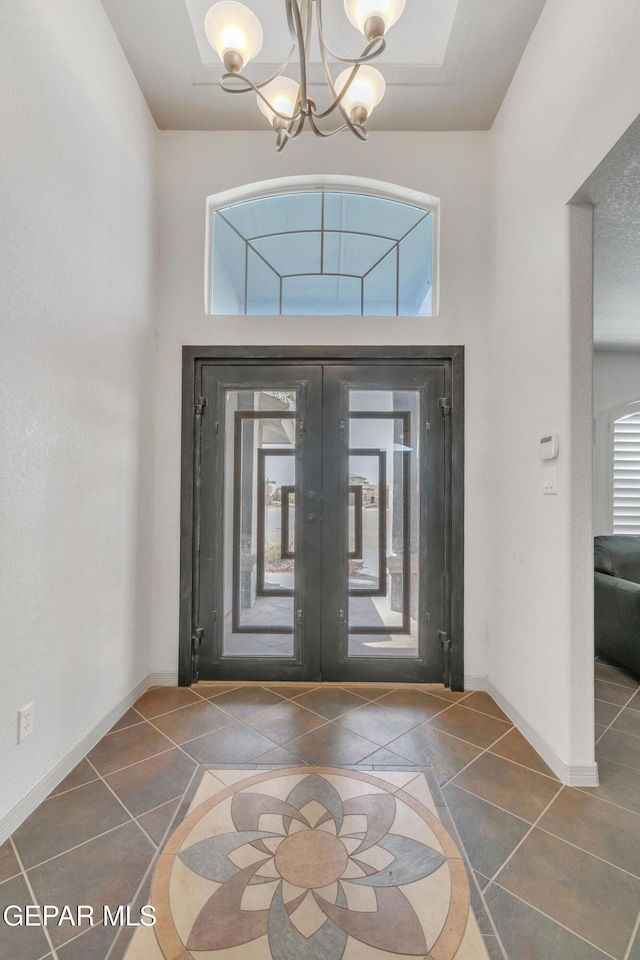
<point x="626" y="474"/>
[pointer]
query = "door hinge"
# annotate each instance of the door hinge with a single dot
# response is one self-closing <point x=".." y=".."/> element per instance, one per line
<point x="201" y="403"/>
<point x="427" y="426"/>
<point x="301" y="428"/>
<point x="445" y="641"/>
<point x="196" y="643"/>
<point x="445" y="405"/>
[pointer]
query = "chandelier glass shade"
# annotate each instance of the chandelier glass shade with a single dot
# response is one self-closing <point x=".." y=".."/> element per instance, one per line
<point x="235" y="33"/>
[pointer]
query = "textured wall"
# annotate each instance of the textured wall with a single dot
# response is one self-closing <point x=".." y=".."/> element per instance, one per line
<point x="576" y="91"/>
<point x="77" y="240"/>
<point x="192" y="166"/>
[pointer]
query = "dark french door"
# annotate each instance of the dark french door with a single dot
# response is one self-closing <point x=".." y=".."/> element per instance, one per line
<point x="318" y="521"/>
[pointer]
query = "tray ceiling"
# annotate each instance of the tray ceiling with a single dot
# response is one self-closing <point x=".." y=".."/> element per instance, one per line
<point x="448" y="63"/>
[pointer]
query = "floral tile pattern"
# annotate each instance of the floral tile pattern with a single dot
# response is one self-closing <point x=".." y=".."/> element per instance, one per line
<point x="310" y="863"/>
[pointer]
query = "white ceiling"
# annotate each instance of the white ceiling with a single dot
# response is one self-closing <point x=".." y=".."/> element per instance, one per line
<point x="448" y="63"/>
<point x="614" y="190"/>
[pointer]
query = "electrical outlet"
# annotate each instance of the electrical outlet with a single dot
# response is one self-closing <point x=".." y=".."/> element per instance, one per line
<point x="25" y="722"/>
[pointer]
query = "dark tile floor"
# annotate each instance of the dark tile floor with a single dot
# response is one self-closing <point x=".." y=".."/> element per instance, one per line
<point x="559" y="867"/>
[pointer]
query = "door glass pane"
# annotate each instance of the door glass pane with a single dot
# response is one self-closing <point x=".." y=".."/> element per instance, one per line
<point x="384" y="523"/>
<point x="259" y="534"/>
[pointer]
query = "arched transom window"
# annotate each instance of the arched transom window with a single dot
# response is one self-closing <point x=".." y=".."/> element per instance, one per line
<point x="322" y="252"/>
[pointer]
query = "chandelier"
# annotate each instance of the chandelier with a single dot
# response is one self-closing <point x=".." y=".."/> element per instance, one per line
<point x="235" y="33"/>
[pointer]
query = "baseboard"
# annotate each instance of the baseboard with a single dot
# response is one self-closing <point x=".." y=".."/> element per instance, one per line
<point x="472" y="682"/>
<point x="165" y="678"/>
<point x="573" y="775"/>
<point x="37" y="794"/>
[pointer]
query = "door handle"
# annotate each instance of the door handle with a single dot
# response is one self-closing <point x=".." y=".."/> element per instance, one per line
<point x="356" y="491"/>
<point x="311" y="518"/>
<point x="285" y="499"/>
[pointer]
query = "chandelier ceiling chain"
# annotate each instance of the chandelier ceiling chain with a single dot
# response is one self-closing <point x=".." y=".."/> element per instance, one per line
<point x="235" y="33"/>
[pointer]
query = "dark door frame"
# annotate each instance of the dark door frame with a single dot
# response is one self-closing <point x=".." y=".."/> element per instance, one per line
<point x="193" y="358"/>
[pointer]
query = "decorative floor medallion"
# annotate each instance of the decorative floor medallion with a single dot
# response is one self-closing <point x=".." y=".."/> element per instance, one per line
<point x="311" y="864"/>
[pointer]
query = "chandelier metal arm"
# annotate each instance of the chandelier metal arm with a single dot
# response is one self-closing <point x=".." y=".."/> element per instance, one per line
<point x="290" y="125"/>
<point x="283" y="135"/>
<point x="359" y="131"/>
<point x="249" y="84"/>
<point x="293" y="14"/>
<point x="337" y="97"/>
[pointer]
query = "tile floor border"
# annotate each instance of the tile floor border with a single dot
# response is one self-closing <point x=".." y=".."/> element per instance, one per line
<point x="476" y="896"/>
<point x="488" y="926"/>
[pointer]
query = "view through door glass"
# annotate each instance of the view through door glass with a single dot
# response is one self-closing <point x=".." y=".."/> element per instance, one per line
<point x="321" y="522"/>
<point x="384" y="522"/>
<point x="259" y="535"/>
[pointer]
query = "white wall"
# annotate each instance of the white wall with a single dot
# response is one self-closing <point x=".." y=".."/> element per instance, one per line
<point x="195" y="165"/>
<point x="575" y="92"/>
<point x="77" y="239"/>
<point x="616" y="380"/>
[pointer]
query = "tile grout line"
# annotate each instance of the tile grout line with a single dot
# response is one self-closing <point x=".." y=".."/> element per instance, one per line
<point x="593" y="796"/>
<point x="477" y="796"/>
<point x="611" y="728"/>
<point x="157" y="850"/>
<point x="623" y="687"/>
<point x="468" y="743"/>
<point x="25" y="875"/>
<point x="247" y="724"/>
<point x="77" y="846"/>
<point x="625" y="766"/>
<point x="553" y="920"/>
<point x="124" y="806"/>
<point x="615" y="682"/>
<point x="326" y="720"/>
<point x="576" y="846"/>
<point x="483" y="750"/>
<point x="180" y="746"/>
<point x="491" y="716"/>
<point x="527" y="834"/>
<point x="621" y="708"/>
<point x="303" y="706"/>
<point x="378" y="746"/>
<point x="608" y="727"/>
<point x="63" y="793"/>
<point x="127" y="766"/>
<point x="152" y="865"/>
<point x="522" y="766"/>
<point x="473" y="879"/>
<point x="630" y="945"/>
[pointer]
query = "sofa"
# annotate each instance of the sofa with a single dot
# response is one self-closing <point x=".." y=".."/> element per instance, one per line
<point x="617" y="599"/>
